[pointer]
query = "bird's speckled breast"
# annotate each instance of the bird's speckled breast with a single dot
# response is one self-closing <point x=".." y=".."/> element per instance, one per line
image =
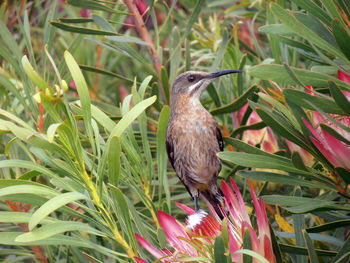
<point x="193" y="131"/>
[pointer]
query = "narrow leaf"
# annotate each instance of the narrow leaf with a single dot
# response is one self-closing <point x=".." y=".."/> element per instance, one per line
<point x="52" y="205"/>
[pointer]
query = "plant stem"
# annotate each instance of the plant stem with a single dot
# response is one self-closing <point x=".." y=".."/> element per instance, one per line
<point x="143" y="32"/>
<point x="97" y="200"/>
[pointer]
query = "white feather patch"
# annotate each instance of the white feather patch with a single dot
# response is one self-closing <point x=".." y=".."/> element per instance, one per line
<point x="194" y="86"/>
<point x="196" y="218"/>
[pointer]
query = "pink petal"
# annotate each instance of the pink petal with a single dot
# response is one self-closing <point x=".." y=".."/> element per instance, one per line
<point x="187" y="209"/>
<point x="329" y="156"/>
<point x="241" y="113"/>
<point x="253" y="118"/>
<point x="254" y="238"/>
<point x="241" y="201"/>
<point x="339" y="150"/>
<point x="234" y="244"/>
<point x="263" y="225"/>
<point x="307" y="158"/>
<point x="232" y="203"/>
<point x="171" y="227"/>
<point x="208" y="227"/>
<point x="268" y="251"/>
<point x="151" y="249"/>
<point x="72" y="84"/>
<point x="314" y="133"/>
<point x="343" y="77"/>
<point x="173" y="231"/>
<point x="139" y="260"/>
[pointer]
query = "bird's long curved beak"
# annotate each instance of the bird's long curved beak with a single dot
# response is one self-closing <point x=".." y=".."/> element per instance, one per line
<point x="224" y="72"/>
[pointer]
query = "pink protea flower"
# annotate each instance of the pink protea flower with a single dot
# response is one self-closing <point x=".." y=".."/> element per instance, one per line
<point x="264" y="137"/>
<point x="336" y="151"/>
<point x="345" y="78"/>
<point x="196" y="238"/>
<point x="307" y="157"/>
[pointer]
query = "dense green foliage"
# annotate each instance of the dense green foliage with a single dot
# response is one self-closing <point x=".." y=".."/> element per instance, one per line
<point x="85" y="89"/>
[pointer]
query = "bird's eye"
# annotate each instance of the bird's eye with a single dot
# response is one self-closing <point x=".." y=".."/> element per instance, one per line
<point x="191" y="78"/>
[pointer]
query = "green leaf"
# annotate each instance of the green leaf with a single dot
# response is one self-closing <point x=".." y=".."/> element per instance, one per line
<point x="94" y="5"/>
<point x="9" y="40"/>
<point x="165" y="84"/>
<point x="339" y="97"/>
<point x="278" y="74"/>
<point x="220" y="53"/>
<point x="332" y="9"/>
<point x="162" y="159"/>
<point x="283" y="179"/>
<point x="80" y="20"/>
<point x="53" y="229"/>
<point x="243" y="146"/>
<point x="299" y="226"/>
<point x="124" y="212"/>
<point x="219" y="250"/>
<point x="131" y="115"/>
<point x="8" y="238"/>
<point x="256" y="126"/>
<point x="83" y="92"/>
<point x="303" y="204"/>
<point x="344" y="174"/>
<point x="144" y="85"/>
<point x="314" y="9"/>
<point x="315" y="25"/>
<point x="175" y="54"/>
<point x="189" y="24"/>
<point x="27" y="189"/>
<point x="279" y="29"/>
<point x="103" y="72"/>
<point x="298" y="161"/>
<point x="259" y="161"/>
<point x="52" y="205"/>
<point x="16" y="119"/>
<point x="237" y="104"/>
<point x="303" y="251"/>
<point x="247" y="244"/>
<point x="329" y="226"/>
<point x="341" y="36"/>
<point x="51" y="131"/>
<point x="118" y="38"/>
<point x="343" y="255"/>
<point x="310" y="248"/>
<point x="82" y="30"/>
<point x="21" y="217"/>
<point x="292" y="74"/>
<point x="324" y="103"/>
<point x="34" y="76"/>
<point x="251" y="253"/>
<point x="114" y="152"/>
<point x="281" y="126"/>
<point x="302" y="30"/>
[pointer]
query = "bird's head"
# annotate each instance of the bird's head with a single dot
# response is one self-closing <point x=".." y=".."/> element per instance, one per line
<point x="193" y="83"/>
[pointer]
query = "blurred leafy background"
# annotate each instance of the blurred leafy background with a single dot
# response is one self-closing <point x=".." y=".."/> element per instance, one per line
<point x="85" y="88"/>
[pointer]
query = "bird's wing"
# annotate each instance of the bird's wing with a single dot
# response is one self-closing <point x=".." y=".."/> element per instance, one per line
<point x="219" y="138"/>
<point x="170" y="149"/>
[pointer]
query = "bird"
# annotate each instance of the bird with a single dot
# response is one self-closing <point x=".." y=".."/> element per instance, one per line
<point x="193" y="138"/>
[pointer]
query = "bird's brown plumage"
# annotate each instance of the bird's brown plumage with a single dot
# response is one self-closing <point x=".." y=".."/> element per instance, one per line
<point x="193" y="138"/>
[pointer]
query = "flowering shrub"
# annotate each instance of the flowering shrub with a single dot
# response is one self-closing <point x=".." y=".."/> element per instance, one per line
<point x="196" y="239"/>
<point x="85" y="91"/>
